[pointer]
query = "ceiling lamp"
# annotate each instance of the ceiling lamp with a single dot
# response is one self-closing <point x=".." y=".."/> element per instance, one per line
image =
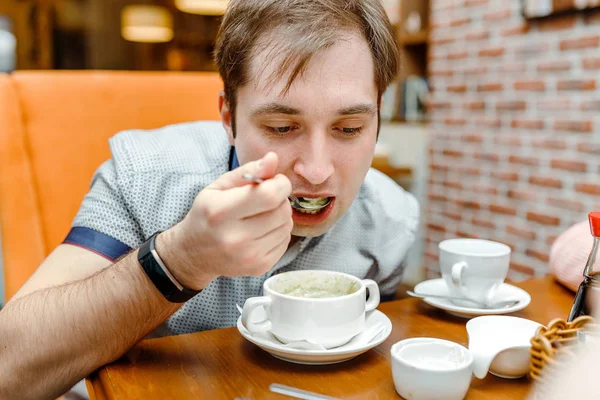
<point x="202" y="7"/>
<point x="147" y="24"/>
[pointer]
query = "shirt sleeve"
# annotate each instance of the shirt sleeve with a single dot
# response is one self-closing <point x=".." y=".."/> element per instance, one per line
<point x="103" y="223"/>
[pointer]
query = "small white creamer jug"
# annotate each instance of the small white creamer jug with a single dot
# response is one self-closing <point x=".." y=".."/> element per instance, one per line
<point x="500" y="344"/>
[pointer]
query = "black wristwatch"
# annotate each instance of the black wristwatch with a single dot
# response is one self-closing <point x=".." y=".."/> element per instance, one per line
<point x="159" y="274"/>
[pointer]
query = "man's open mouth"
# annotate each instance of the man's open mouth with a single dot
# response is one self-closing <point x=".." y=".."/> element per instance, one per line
<point x="309" y="205"/>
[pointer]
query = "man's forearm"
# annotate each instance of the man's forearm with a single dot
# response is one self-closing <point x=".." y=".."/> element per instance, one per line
<point x="52" y="338"/>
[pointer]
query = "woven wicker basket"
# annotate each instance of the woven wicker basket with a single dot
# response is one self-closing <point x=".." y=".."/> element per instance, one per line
<point x="555" y="339"/>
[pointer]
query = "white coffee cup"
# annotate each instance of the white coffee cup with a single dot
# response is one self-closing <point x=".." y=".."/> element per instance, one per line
<point x="328" y="321"/>
<point x="473" y="268"/>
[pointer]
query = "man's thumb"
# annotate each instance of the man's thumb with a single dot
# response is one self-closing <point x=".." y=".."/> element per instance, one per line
<point x="264" y="168"/>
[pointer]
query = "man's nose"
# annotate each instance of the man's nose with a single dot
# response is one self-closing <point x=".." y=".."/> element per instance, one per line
<point x="315" y="163"/>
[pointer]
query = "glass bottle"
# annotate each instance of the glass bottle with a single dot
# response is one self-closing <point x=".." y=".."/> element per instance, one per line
<point x="588" y="293"/>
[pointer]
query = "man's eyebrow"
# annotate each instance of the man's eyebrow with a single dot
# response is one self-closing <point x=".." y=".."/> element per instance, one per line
<point x="277" y="108"/>
<point x="358" y="109"/>
<point x="274" y="108"/>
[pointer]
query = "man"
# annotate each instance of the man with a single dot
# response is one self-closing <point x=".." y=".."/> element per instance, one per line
<point x="173" y="231"/>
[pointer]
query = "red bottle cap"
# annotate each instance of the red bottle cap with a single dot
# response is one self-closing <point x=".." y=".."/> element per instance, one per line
<point x="594" y="218"/>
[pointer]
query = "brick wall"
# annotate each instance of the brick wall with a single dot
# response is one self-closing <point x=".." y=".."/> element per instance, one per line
<point x="515" y="131"/>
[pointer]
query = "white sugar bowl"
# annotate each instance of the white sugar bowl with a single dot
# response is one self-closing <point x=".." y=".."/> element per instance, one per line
<point x="431" y="369"/>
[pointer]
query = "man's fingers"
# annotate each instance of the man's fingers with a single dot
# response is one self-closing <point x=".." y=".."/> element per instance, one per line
<point x="263" y="223"/>
<point x="280" y="239"/>
<point x="246" y="201"/>
<point x="263" y="169"/>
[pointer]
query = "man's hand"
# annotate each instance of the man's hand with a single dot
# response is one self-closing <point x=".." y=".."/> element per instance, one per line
<point x="234" y="228"/>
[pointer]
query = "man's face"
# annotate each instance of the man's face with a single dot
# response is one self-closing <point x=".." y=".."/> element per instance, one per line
<point x="324" y="129"/>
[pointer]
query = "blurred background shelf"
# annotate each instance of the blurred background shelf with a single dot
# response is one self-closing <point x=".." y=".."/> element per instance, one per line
<point x="87" y="34"/>
<point x="405" y="100"/>
<point x="412" y="39"/>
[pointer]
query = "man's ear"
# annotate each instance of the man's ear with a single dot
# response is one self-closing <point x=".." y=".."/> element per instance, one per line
<point x="226" y="116"/>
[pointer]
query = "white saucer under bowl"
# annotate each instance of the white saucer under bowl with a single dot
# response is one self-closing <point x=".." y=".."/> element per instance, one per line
<point x="505" y="291"/>
<point x="270" y="344"/>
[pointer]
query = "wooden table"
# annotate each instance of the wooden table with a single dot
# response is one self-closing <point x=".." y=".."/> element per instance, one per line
<point x="221" y="364"/>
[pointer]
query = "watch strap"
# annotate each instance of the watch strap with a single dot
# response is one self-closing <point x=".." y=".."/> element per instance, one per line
<point x="160" y="275"/>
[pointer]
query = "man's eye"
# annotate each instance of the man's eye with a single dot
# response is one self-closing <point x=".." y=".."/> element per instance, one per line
<point x="279" y="129"/>
<point x="351" y="131"/>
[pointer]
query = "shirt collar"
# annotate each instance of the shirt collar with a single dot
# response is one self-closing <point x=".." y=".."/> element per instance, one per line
<point x="233" y="160"/>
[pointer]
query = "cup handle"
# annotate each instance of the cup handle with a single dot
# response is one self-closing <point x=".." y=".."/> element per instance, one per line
<point x="457" y="271"/>
<point x="374" y="297"/>
<point x="250" y="305"/>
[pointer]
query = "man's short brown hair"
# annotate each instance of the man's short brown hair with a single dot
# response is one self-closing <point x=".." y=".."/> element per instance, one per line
<point x="293" y="31"/>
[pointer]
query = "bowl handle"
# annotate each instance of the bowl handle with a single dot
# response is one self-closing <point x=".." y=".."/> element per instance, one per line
<point x="374" y="297"/>
<point x="249" y="307"/>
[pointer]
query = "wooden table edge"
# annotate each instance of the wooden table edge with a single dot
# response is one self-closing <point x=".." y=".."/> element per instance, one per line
<point x="98" y="383"/>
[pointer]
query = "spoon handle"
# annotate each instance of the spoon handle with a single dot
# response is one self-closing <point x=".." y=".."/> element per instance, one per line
<point x="251" y="178"/>
<point x="439" y="296"/>
<point x="495" y="305"/>
<point x="298" y="393"/>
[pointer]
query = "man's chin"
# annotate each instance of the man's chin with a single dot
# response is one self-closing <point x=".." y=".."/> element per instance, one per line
<point x="310" y="231"/>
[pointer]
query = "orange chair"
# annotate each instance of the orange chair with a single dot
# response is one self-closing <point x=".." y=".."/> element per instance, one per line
<point x="54" y="127"/>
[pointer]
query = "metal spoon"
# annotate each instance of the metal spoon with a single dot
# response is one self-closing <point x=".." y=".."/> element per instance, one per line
<point x="496" y="304"/>
<point x="293" y="199"/>
<point x="298" y="393"/>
